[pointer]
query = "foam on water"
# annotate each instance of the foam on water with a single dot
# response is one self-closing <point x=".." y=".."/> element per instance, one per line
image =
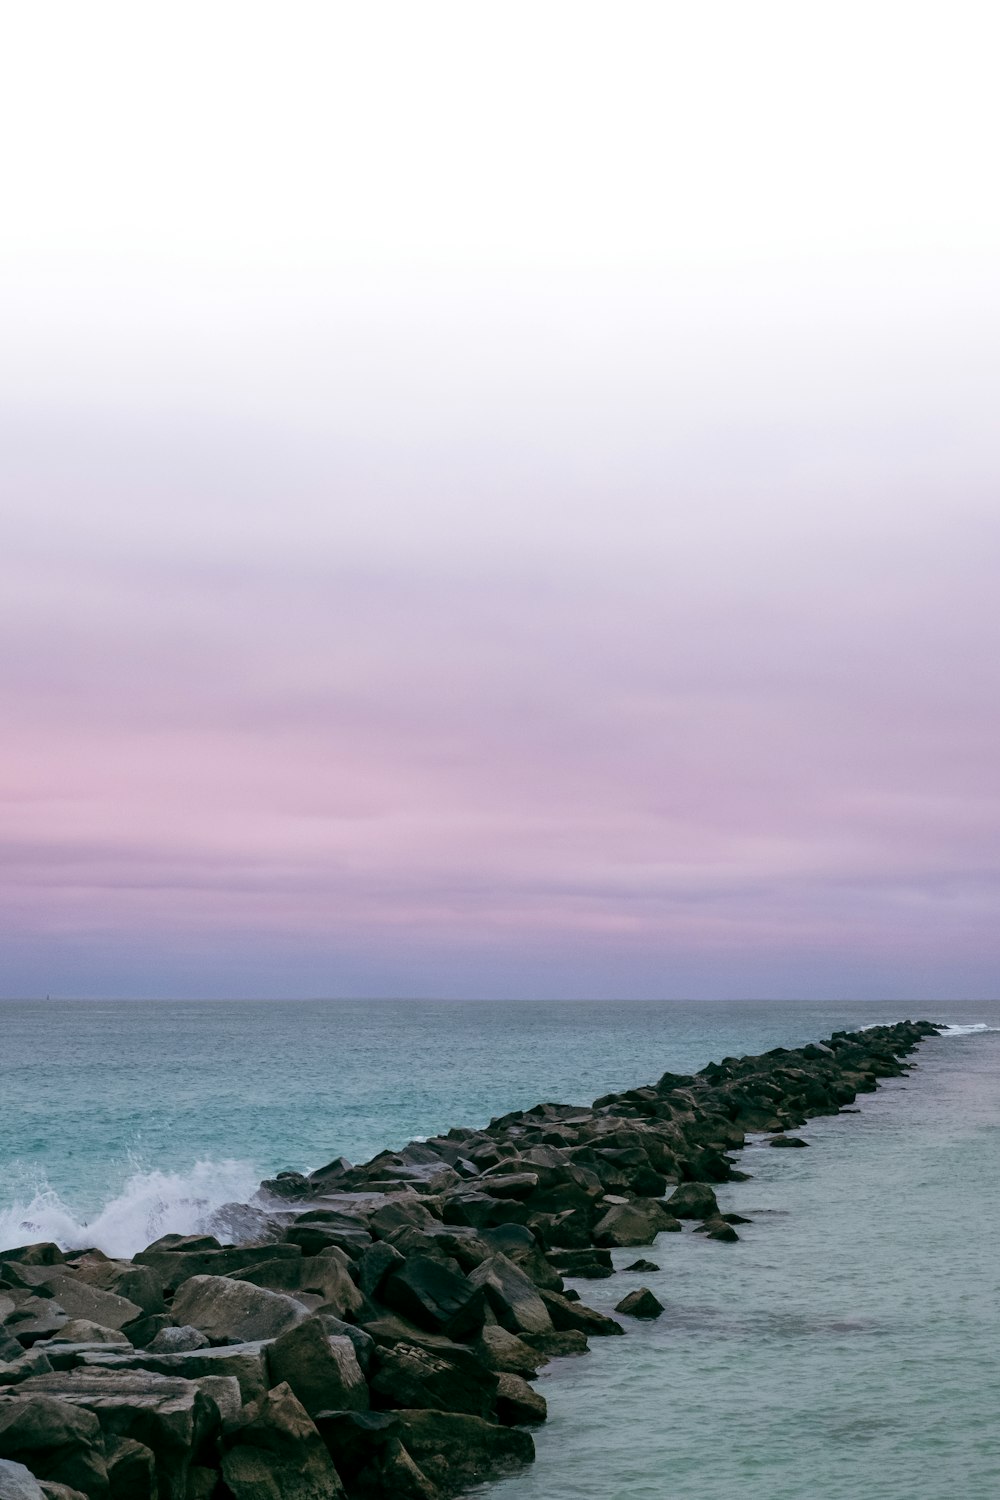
<point x="149" y="1204"/>
<point x="968" y="1030"/>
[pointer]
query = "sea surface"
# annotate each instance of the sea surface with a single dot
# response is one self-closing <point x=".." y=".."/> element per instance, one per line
<point x="849" y="1345"/>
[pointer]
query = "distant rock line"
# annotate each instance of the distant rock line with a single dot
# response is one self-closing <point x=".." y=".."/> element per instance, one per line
<point x="378" y="1338"/>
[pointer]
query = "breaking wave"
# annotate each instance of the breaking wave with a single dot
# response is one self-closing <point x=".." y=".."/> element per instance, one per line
<point x="210" y="1198"/>
<point x="968" y="1030"/>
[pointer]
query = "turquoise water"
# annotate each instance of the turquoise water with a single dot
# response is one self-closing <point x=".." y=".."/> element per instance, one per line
<point x="149" y="1099"/>
<point x="848" y="1346"/>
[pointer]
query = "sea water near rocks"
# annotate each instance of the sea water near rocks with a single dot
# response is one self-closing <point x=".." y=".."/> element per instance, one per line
<point x="847" y="1346"/>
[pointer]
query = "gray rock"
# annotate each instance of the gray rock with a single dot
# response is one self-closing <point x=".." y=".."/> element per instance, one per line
<point x="175" y="1340"/>
<point x="139" y="1284"/>
<point x="80" y="1300"/>
<point x="455" y="1450"/>
<point x="576" y="1317"/>
<point x="34" y="1362"/>
<point x="232" y="1312"/>
<point x="445" y="1380"/>
<point x="18" y="1483"/>
<point x="631" y="1224"/>
<point x="81" y="1331"/>
<point x="246" y="1362"/>
<point x="172" y="1267"/>
<point x="504" y="1352"/>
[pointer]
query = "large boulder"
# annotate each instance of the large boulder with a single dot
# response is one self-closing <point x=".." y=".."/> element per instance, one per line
<point x="139" y="1284"/>
<point x="235" y="1312"/>
<point x="276" y="1453"/>
<point x="170" y="1416"/>
<point x="576" y="1317"/>
<point x="456" y="1451"/>
<point x="173" y="1267"/>
<point x="631" y="1224"/>
<point x="446" y="1380"/>
<point x="640" y="1304"/>
<point x="517" y="1403"/>
<point x="92" y="1304"/>
<point x="513" y="1297"/>
<point x="436" y="1298"/>
<point x="321" y="1369"/>
<point x="506" y="1353"/>
<point x="56" y="1440"/>
<point x="34" y="1317"/>
<point x="326" y="1275"/>
<point x="692" y="1200"/>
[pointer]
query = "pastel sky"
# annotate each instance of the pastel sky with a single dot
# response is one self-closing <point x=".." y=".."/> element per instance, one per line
<point x="500" y="501"/>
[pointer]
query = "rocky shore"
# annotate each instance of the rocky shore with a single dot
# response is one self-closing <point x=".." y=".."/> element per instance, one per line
<point x="378" y="1337"/>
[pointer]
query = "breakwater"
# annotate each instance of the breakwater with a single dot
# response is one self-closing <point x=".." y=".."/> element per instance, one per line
<point x="441" y="1267"/>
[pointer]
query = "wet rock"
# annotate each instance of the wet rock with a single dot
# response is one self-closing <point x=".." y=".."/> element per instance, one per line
<point x="640" y="1304"/>
<point x="276" y="1453"/>
<point x="326" y="1274"/>
<point x="139" y="1284"/>
<point x="642" y="1265"/>
<point x="718" y="1229"/>
<point x="505" y="1352"/>
<point x="592" y="1265"/>
<point x="631" y="1224"/>
<point x="233" y="1312"/>
<point x="321" y="1369"/>
<point x="34" y="1318"/>
<point x="456" y="1451"/>
<point x="355" y="1439"/>
<point x="517" y="1403"/>
<point x="41" y="1253"/>
<point x="787" y="1140"/>
<point x="576" y="1317"/>
<point x="436" y="1298"/>
<point x="692" y="1200"/>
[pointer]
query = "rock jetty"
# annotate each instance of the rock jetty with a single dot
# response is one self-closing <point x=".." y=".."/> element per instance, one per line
<point x="378" y="1339"/>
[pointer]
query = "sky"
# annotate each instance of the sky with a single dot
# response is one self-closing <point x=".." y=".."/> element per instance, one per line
<point x="500" y="500"/>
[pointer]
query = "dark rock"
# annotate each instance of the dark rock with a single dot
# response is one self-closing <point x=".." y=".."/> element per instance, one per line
<point x="456" y="1451"/>
<point x="642" y="1265"/>
<point x="325" y="1274"/>
<point x="631" y="1224"/>
<point x="567" y="1342"/>
<point x="692" y="1200"/>
<point x="131" y="1469"/>
<point x="182" y="1243"/>
<point x="321" y="1370"/>
<point x="374" y="1265"/>
<point x="79" y="1299"/>
<point x="139" y="1284"/>
<point x="42" y="1253"/>
<point x="787" y="1140"/>
<point x="34" y="1318"/>
<point x="435" y="1298"/>
<point x="454" y="1380"/>
<point x="355" y="1438"/>
<point x="313" y="1238"/>
<point x="56" y="1440"/>
<point x="174" y="1267"/>
<point x="575" y="1317"/>
<point x="32" y="1362"/>
<point x="640" y="1304"/>
<point x="514" y="1299"/>
<point x="276" y="1453"/>
<point x="79" y="1331"/>
<point x="517" y="1403"/>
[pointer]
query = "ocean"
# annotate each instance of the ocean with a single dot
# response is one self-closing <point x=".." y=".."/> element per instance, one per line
<point x="848" y="1345"/>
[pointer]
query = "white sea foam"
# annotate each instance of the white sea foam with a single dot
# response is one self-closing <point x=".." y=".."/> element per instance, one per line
<point x="968" y="1030"/>
<point x="149" y="1204"/>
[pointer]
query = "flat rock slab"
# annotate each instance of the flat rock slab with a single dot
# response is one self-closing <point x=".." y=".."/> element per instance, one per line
<point x="246" y="1362"/>
<point x="80" y="1300"/>
<point x="172" y="1267"/>
<point x="235" y="1312"/>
